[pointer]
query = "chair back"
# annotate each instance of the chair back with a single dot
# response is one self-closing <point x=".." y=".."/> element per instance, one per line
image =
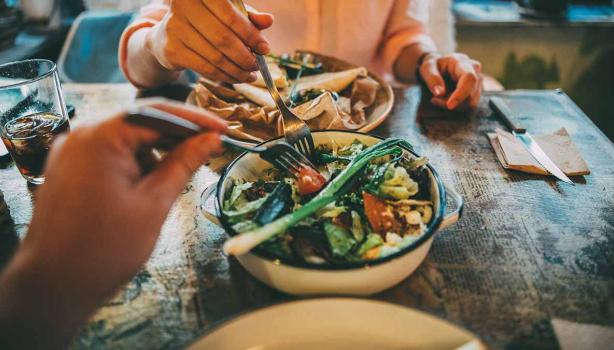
<point x="89" y="54"/>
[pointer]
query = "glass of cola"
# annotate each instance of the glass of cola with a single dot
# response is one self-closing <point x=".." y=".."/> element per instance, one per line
<point x="32" y="114"/>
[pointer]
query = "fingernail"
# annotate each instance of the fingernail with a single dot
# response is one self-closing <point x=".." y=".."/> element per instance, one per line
<point x="452" y="104"/>
<point x="263" y="47"/>
<point x="438" y="90"/>
<point x="252" y="77"/>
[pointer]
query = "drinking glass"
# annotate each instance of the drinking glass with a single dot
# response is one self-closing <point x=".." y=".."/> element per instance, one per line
<point x="32" y="114"/>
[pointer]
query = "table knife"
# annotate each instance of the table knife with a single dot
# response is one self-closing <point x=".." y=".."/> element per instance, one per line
<point x="521" y="134"/>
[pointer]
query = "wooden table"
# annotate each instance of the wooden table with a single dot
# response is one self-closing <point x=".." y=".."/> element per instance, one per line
<point x="527" y="250"/>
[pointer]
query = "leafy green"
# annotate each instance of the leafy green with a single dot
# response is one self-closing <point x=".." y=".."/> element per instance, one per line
<point x="377" y="177"/>
<point x="245" y="225"/>
<point x="237" y="197"/>
<point x="358" y="230"/>
<point x="340" y="239"/>
<point x="397" y="184"/>
<point x="352" y="149"/>
<point x="373" y="240"/>
<point x="325" y="158"/>
<point x="241" y="212"/>
<point x="331" y="210"/>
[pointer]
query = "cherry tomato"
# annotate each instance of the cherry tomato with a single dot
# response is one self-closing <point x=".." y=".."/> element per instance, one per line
<point x="309" y="181"/>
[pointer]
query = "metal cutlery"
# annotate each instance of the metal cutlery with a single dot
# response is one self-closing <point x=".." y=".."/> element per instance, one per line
<point x="296" y="131"/>
<point x="175" y="129"/>
<point x="522" y="135"/>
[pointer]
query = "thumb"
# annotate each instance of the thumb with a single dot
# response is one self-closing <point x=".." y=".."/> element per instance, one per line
<point x="171" y="175"/>
<point x="432" y="77"/>
<point x="261" y="20"/>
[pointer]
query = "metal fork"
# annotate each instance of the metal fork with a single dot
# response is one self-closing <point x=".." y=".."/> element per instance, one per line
<point x="281" y="155"/>
<point x="296" y="131"/>
<point x="175" y="129"/>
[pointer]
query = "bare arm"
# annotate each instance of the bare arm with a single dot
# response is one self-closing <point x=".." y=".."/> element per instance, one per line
<point x="68" y="264"/>
<point x="145" y="70"/>
<point x="415" y="58"/>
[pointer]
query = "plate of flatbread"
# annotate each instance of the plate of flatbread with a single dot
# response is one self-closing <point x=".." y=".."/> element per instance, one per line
<point x="326" y="92"/>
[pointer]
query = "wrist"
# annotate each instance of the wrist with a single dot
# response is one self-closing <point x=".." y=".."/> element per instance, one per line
<point x="407" y="65"/>
<point x="421" y="59"/>
<point x="31" y="316"/>
<point x="144" y="65"/>
<point x="40" y="305"/>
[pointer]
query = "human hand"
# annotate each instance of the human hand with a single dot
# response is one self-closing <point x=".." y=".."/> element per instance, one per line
<point x="210" y="37"/>
<point x="95" y="222"/>
<point x="464" y="72"/>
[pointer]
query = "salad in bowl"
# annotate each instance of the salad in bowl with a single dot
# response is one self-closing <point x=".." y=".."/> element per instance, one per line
<point x="361" y="203"/>
<point x="359" y="221"/>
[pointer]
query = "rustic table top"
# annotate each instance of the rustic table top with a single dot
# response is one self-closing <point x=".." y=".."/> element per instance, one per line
<point x="527" y="250"/>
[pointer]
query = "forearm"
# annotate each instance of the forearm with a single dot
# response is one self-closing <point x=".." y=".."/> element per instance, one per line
<point x="406" y="64"/>
<point x="142" y="68"/>
<point x="39" y="309"/>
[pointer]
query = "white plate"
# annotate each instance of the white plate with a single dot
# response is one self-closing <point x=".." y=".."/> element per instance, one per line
<point x="337" y="323"/>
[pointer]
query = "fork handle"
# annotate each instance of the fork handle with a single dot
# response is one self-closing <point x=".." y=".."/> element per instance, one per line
<point x="262" y="66"/>
<point x="241" y="145"/>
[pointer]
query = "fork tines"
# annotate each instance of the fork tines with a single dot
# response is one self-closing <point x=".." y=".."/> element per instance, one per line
<point x="284" y="156"/>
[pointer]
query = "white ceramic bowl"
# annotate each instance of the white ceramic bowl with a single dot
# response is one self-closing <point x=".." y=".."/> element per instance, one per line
<point x="361" y="278"/>
<point x="337" y="324"/>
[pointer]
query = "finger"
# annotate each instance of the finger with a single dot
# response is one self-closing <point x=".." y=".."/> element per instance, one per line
<point x="474" y="100"/>
<point x="119" y="136"/>
<point x="195" y="41"/>
<point x="169" y="178"/>
<point x="200" y="116"/>
<point x="477" y="66"/>
<point x="261" y="20"/>
<point x="217" y="33"/>
<point x="432" y="77"/>
<point x="240" y="25"/>
<point x="439" y="102"/>
<point x="193" y="60"/>
<point x="466" y="84"/>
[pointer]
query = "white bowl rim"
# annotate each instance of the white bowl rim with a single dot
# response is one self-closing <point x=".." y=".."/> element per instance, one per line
<point x="237" y="317"/>
<point x="431" y="229"/>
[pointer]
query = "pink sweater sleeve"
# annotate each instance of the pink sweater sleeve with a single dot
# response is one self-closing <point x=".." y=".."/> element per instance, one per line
<point x="148" y="17"/>
<point x="406" y="26"/>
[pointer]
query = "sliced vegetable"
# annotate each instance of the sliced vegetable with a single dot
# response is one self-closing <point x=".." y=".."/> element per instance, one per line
<point x="237" y="197"/>
<point x="378" y="213"/>
<point x="372" y="241"/>
<point x="235" y="216"/>
<point x="357" y="230"/>
<point x="397" y="184"/>
<point x="278" y="202"/>
<point x="340" y="239"/>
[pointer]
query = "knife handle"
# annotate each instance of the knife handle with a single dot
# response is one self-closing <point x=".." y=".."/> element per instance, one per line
<point x="503" y="110"/>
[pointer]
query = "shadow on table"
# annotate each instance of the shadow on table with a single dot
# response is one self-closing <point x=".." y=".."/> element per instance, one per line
<point x="518" y="176"/>
<point x="9" y="241"/>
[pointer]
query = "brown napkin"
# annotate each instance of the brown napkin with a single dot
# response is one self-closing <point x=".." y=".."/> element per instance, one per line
<point x="581" y="336"/>
<point x="558" y="146"/>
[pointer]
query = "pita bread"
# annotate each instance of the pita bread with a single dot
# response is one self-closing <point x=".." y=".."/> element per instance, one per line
<point x="336" y="81"/>
<point x="323" y="113"/>
<point x="256" y="94"/>
<point x="278" y="75"/>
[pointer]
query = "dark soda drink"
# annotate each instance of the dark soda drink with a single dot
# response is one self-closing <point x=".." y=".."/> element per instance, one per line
<point x="28" y="140"/>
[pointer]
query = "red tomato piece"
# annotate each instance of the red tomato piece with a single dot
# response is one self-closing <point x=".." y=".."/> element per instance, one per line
<point x="309" y="181"/>
<point x="378" y="213"/>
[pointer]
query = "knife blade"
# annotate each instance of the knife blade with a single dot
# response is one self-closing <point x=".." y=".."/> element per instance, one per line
<point x="521" y="134"/>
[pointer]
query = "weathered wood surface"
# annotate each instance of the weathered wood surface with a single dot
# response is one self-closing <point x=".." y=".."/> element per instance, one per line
<point x="527" y="250"/>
